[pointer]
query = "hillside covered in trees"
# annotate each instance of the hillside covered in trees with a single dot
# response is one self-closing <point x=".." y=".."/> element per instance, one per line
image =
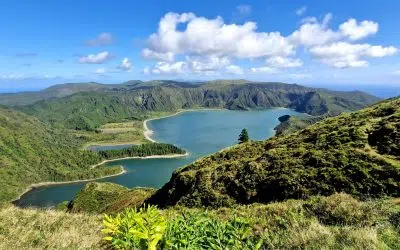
<point x="32" y="152"/>
<point x="93" y="106"/>
<point x="357" y="153"/>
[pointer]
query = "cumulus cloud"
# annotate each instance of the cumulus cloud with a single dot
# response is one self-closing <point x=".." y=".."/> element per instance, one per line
<point x="160" y="56"/>
<point x="200" y="65"/>
<point x="355" y="31"/>
<point x="166" y="68"/>
<point x="102" y="39"/>
<point x="211" y="45"/>
<point x="345" y="55"/>
<point x="204" y="36"/>
<point x="234" y="70"/>
<point x="312" y="33"/>
<point x="96" y="58"/>
<point x="282" y="62"/>
<point x="125" y="65"/>
<point x="300" y="11"/>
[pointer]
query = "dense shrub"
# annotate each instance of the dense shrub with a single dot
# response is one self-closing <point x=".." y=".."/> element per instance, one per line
<point x="142" y="151"/>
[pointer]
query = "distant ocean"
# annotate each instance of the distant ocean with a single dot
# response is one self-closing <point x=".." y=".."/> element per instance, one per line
<point x="382" y="91"/>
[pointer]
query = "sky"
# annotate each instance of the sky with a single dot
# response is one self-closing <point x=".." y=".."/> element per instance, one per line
<point x="332" y="42"/>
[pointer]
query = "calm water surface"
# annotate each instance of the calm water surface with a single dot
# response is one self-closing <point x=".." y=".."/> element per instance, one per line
<point x="198" y="132"/>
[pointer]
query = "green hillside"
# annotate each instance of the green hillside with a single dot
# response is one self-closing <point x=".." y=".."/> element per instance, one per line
<point x="290" y="124"/>
<point x="335" y="222"/>
<point x="90" y="110"/>
<point x="357" y="153"/>
<point x="31" y="152"/>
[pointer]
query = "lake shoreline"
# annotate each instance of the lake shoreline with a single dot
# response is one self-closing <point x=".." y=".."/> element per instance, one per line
<point x="148" y="132"/>
<point x="123" y="171"/>
<point x="56" y="183"/>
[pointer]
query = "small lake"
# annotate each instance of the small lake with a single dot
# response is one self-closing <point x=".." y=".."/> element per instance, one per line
<point x="199" y="132"/>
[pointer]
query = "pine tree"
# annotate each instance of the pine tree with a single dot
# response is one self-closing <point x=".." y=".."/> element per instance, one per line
<point x="244" y="136"/>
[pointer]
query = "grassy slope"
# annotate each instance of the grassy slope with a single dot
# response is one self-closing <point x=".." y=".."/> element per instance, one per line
<point x="357" y="153"/>
<point x="90" y="110"/>
<point x="32" y="152"/>
<point x="296" y="123"/>
<point x="335" y="222"/>
<point x="107" y="197"/>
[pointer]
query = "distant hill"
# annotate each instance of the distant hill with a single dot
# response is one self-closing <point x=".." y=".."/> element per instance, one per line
<point x="357" y="153"/>
<point x="90" y="109"/>
<point x="67" y="89"/>
<point x="31" y="152"/>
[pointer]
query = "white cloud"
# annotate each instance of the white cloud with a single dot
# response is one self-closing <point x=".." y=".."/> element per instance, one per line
<point x="207" y="63"/>
<point x="300" y="11"/>
<point x="192" y="65"/>
<point x="103" y="39"/>
<point x="210" y="46"/>
<point x="126" y="65"/>
<point x="234" y="70"/>
<point x="96" y="58"/>
<point x="266" y="70"/>
<point x="204" y="36"/>
<point x="312" y="33"/>
<point x="356" y="31"/>
<point x="244" y="9"/>
<point x="159" y="56"/>
<point x="282" y="62"/>
<point x="347" y="55"/>
<point x="166" y="68"/>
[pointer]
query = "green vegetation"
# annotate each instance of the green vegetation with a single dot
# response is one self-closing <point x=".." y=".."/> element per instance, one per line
<point x="142" y="151"/>
<point x="290" y="124"/>
<point x="105" y="197"/>
<point x="135" y="229"/>
<point x="356" y="153"/>
<point x="133" y="101"/>
<point x="32" y="152"/>
<point x="244" y="136"/>
<point x="334" y="222"/>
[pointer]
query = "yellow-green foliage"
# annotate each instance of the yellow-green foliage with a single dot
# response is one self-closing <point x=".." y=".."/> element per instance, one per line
<point x="135" y="229"/>
<point x="335" y="222"/>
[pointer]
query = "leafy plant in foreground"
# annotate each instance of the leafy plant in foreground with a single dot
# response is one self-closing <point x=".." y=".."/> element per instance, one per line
<point x="135" y="229"/>
<point x="201" y="231"/>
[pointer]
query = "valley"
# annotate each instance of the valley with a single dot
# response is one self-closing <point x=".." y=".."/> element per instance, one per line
<point x="109" y="134"/>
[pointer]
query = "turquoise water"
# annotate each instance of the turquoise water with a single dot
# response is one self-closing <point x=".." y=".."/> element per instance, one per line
<point x="198" y="132"/>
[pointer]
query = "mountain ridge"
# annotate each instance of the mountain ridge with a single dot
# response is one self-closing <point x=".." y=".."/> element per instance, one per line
<point x="89" y="110"/>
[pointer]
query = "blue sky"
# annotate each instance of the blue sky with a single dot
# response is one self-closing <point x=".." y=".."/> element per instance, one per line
<point x="307" y="42"/>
